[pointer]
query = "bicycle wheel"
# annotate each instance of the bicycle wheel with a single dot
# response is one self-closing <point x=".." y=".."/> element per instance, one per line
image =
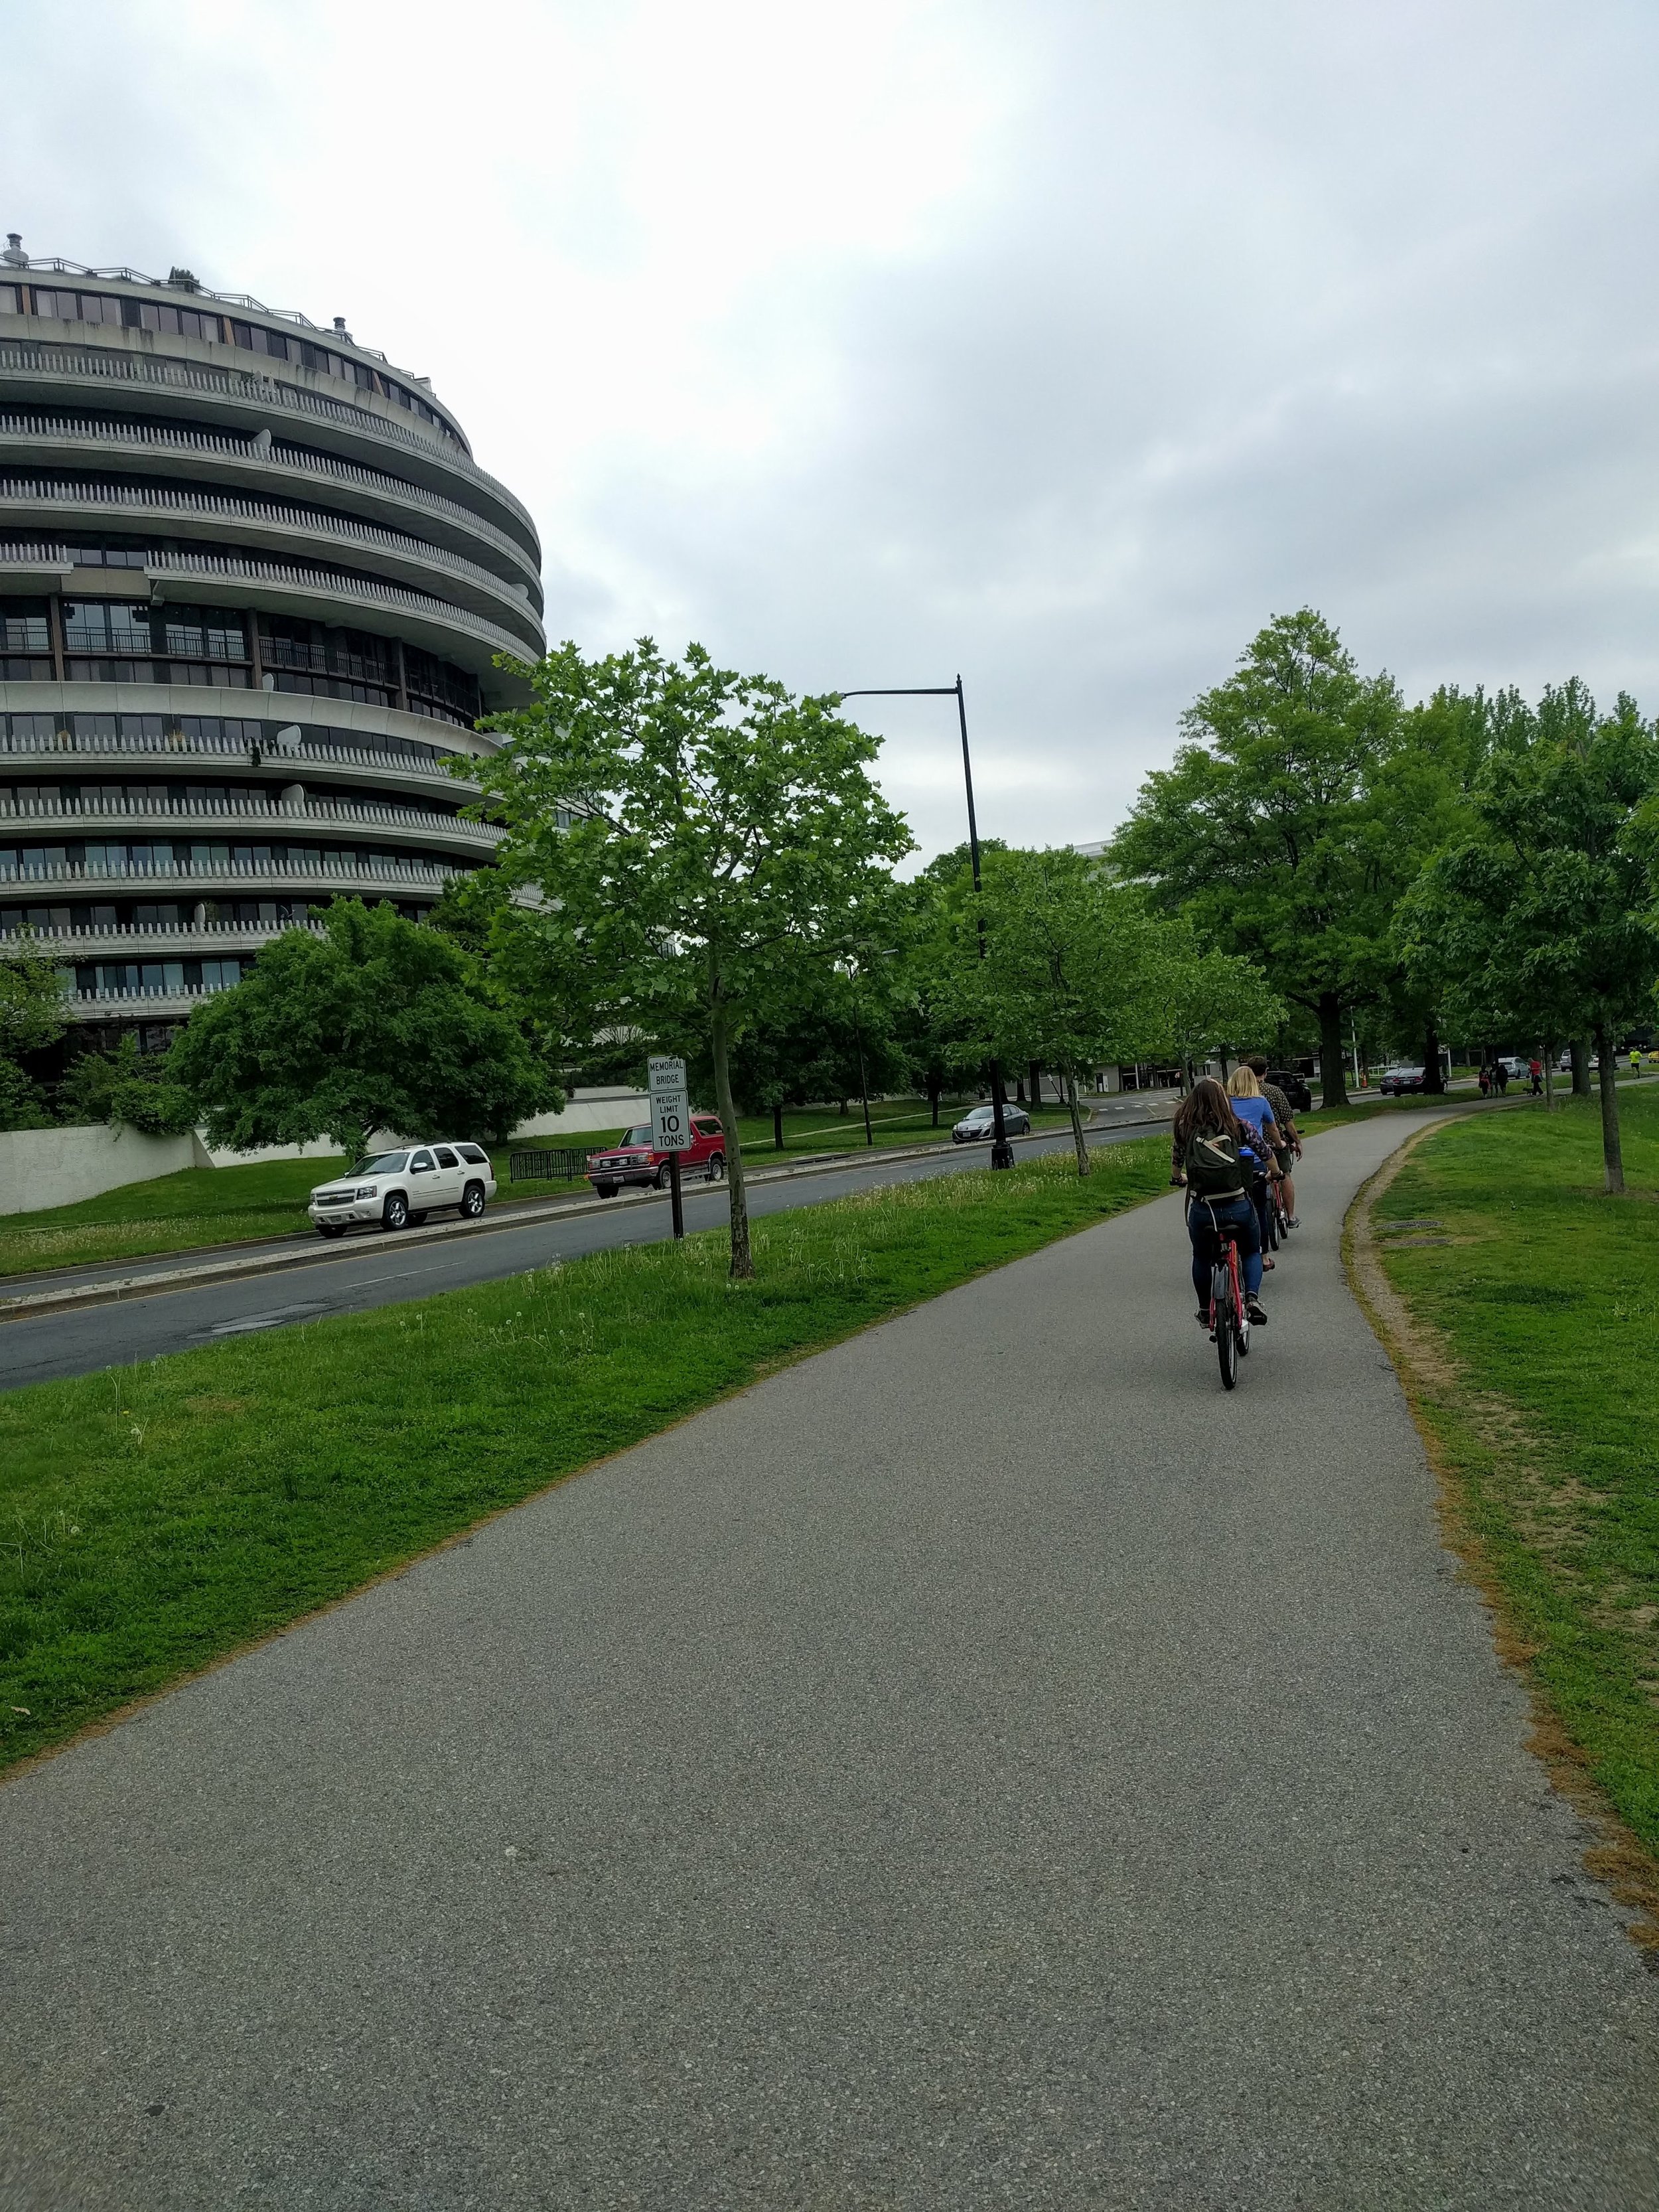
<point x="1226" y="1329"/>
<point x="1272" y="1210"/>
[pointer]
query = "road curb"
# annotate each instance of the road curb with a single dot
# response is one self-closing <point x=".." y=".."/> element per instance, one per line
<point x="113" y="1290"/>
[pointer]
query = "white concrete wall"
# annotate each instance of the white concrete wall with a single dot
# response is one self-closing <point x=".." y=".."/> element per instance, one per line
<point x="588" y="1110"/>
<point x="42" y="1167"/>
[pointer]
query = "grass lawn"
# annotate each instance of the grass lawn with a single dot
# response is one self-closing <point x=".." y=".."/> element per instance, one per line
<point x="154" y="1517"/>
<point x="892" y="1121"/>
<point x="202" y="1206"/>
<point x="1544" y="1292"/>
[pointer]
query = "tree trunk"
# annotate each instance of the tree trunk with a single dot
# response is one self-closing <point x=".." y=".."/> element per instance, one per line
<point x="1333" y="1074"/>
<point x="777" y="1127"/>
<point x="1036" y="1084"/>
<point x="743" y="1264"/>
<point x="1084" y="1164"/>
<point x="1432" y="1078"/>
<point x="934" y="1086"/>
<point x="1612" y="1155"/>
<point x="1581" y="1069"/>
<point x="1019" y="1090"/>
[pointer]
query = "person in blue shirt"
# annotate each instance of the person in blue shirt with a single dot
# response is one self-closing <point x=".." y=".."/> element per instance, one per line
<point x="1253" y="1110"/>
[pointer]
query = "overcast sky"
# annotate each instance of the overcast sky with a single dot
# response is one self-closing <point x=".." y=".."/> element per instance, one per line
<point x="1060" y="345"/>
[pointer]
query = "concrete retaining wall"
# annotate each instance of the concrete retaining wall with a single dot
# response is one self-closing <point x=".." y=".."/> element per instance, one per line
<point x="42" y="1167"/>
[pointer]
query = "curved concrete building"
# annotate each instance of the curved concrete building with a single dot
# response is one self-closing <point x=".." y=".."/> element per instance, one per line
<point x="252" y="584"/>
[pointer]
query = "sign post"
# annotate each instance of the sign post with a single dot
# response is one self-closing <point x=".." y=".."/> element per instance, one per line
<point x="670" y="1125"/>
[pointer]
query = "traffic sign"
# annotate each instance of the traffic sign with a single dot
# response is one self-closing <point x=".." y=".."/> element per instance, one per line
<point x="671" y="1106"/>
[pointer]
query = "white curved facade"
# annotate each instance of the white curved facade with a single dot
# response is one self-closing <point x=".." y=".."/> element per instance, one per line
<point x="252" y="587"/>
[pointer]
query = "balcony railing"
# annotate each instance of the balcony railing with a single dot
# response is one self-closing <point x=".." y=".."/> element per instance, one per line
<point x="108" y="367"/>
<point x="75" y="430"/>
<point x="360" y="591"/>
<point x="338" y="813"/>
<point x="173" y="745"/>
<point x="159" y="999"/>
<point x="143" y="940"/>
<point x="419" y="875"/>
<point x="99" y="500"/>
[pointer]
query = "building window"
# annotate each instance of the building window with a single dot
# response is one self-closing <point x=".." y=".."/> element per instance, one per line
<point x="11" y="300"/>
<point x="77" y="306"/>
<point x="24" y="626"/>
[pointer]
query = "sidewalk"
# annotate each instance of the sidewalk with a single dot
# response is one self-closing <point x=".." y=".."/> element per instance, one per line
<point x="984" y="1765"/>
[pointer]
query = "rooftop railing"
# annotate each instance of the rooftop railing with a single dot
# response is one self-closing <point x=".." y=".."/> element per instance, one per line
<point x="103" y="366"/>
<point x="84" y="430"/>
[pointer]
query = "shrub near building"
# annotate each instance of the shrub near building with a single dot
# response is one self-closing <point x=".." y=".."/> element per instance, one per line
<point x="372" y="1023"/>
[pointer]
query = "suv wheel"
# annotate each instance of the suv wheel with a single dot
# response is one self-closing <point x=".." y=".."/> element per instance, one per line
<point x="664" y="1177"/>
<point x="716" y="1166"/>
<point x="472" y="1201"/>
<point x="394" y="1214"/>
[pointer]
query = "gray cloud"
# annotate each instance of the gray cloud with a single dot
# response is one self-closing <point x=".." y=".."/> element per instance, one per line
<point x="1060" y="345"/>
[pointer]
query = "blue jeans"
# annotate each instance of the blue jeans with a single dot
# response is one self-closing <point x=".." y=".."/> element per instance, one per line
<point x="1235" y="1212"/>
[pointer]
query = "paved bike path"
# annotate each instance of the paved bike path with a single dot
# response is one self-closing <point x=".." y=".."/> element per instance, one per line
<point x="983" y="1765"/>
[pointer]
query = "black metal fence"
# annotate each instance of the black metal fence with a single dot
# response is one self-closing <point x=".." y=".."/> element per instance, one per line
<point x="560" y="1164"/>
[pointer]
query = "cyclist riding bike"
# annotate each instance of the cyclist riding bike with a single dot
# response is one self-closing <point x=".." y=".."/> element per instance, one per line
<point x="1289" y="1148"/>
<point x="1245" y="1094"/>
<point x="1213" y="1154"/>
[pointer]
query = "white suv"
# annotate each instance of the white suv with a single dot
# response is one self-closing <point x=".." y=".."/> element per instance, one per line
<point x="400" y="1190"/>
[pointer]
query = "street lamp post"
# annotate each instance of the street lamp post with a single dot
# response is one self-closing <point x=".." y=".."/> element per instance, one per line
<point x="1002" y="1153"/>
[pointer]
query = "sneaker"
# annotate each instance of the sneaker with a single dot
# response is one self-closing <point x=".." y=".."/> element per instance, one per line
<point x="1254" y="1312"/>
<point x="1294" y="1222"/>
<point x="1204" y="1317"/>
<point x="1267" y="1260"/>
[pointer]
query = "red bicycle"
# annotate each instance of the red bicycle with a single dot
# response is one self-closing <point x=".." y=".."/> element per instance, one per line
<point x="1230" y="1316"/>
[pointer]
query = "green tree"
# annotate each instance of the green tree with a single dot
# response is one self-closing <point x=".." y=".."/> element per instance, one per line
<point x="33" y="1015"/>
<point x="1420" y="802"/>
<point x="1546" y="910"/>
<point x="376" y="1024"/>
<point x="130" y="1090"/>
<point x="1209" y="1002"/>
<point x="1071" y="968"/>
<point x="1263" y="833"/>
<point x="676" y="819"/>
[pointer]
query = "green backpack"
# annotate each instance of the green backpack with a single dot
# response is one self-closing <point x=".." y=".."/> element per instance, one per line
<point x="1211" y="1167"/>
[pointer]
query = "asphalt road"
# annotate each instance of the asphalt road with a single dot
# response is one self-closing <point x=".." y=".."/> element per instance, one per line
<point x="983" y="1765"/>
<point x="386" y="1271"/>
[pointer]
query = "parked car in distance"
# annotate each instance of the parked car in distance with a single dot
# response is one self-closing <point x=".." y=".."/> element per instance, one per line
<point x="634" y="1160"/>
<point x="398" y="1189"/>
<point x="1294" y="1084"/>
<point x="978" y="1125"/>
<point x="1396" y="1080"/>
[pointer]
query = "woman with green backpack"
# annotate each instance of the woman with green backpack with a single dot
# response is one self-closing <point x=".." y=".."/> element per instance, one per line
<point x="1213" y="1155"/>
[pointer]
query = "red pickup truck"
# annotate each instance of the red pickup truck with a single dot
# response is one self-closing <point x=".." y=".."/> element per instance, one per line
<point x="634" y="1160"/>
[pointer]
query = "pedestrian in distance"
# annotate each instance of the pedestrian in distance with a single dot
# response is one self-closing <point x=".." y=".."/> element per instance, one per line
<point x="1500" y="1076"/>
<point x="1535" y="1070"/>
<point x="1636" y="1063"/>
<point x="1485" y="1080"/>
